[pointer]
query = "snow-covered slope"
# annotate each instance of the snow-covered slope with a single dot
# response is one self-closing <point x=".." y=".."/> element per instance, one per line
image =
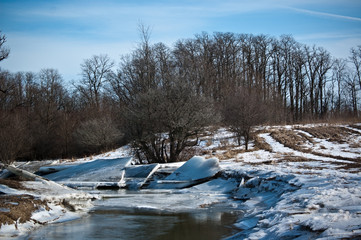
<point x="282" y="192"/>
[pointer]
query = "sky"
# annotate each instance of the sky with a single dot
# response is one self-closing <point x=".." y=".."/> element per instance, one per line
<point x="60" y="34"/>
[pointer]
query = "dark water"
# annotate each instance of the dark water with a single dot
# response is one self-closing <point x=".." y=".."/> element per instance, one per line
<point x="118" y="224"/>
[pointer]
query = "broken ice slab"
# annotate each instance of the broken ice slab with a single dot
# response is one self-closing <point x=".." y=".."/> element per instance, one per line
<point x="195" y="171"/>
<point x="140" y="171"/>
<point x="54" y="168"/>
<point x="94" y="185"/>
<point x="101" y="170"/>
<point x="248" y="223"/>
<point x="137" y="176"/>
<point x="196" y="168"/>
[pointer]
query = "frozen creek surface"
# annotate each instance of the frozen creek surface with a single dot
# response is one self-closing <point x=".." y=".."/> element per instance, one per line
<point x="150" y="214"/>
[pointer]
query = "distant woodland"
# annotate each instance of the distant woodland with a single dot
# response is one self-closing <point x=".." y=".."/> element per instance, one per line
<point x="160" y="98"/>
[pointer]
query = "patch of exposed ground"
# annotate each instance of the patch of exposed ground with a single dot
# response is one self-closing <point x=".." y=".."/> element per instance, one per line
<point x="13" y="184"/>
<point x="16" y="209"/>
<point x="330" y="133"/>
<point x="291" y="139"/>
<point x="355" y="126"/>
<point x="294" y="140"/>
<point x="260" y="143"/>
<point x="229" y="154"/>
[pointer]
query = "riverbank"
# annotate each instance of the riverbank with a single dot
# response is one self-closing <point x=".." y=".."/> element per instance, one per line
<point x="295" y="181"/>
<point x="26" y="205"/>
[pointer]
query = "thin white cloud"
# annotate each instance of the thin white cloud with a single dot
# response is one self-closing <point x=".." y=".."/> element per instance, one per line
<point x="328" y="36"/>
<point x="111" y="27"/>
<point x="324" y="14"/>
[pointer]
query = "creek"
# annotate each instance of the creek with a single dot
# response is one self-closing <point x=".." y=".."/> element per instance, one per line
<point x="150" y="214"/>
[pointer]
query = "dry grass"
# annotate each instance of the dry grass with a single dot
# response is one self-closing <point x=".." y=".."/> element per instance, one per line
<point x="296" y="140"/>
<point x="289" y="158"/>
<point x="260" y="143"/>
<point x="355" y="126"/>
<point x="330" y="133"/>
<point x="13" y="184"/>
<point x="20" y="208"/>
<point x="189" y="152"/>
<point x="355" y="145"/>
<point x="232" y="153"/>
<point x="291" y="139"/>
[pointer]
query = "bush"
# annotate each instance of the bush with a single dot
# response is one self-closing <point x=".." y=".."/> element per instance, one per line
<point x="163" y="122"/>
<point x="97" y="134"/>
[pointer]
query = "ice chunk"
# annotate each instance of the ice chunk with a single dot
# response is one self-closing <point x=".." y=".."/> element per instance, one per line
<point x="137" y="176"/>
<point x="247" y="223"/>
<point x="140" y="171"/>
<point x="54" y="168"/>
<point x="196" y="168"/>
<point x="102" y="170"/>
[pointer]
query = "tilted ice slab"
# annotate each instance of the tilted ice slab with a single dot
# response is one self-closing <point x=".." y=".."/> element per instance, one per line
<point x="195" y="171"/>
<point x="136" y="176"/>
<point x="196" y="168"/>
<point x="101" y="170"/>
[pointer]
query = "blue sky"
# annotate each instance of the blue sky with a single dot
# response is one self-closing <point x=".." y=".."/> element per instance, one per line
<point x="62" y="33"/>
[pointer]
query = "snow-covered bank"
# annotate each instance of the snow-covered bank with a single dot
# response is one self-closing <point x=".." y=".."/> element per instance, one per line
<point x="286" y="203"/>
<point x="279" y="192"/>
<point x="41" y="203"/>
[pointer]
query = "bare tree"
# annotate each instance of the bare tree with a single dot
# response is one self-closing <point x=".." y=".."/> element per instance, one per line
<point x="351" y="88"/>
<point x="14" y="142"/>
<point x="339" y="77"/>
<point x="241" y="112"/>
<point x="325" y="64"/>
<point x="356" y="61"/>
<point x="94" y="71"/>
<point x="4" y="51"/>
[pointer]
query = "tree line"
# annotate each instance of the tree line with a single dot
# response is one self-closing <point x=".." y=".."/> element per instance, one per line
<point x="160" y="98"/>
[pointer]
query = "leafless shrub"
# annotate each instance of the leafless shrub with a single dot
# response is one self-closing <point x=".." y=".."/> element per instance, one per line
<point x="97" y="134"/>
<point x="163" y="122"/>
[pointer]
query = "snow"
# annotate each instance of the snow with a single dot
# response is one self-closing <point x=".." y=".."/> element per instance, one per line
<point x="313" y="197"/>
<point x="196" y="168"/>
<point x="280" y="148"/>
<point x="101" y="170"/>
<point x="137" y="176"/>
<point x="7" y="190"/>
<point x="56" y="196"/>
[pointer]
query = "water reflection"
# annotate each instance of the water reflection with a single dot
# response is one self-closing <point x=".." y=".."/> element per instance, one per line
<point x="151" y="214"/>
<point x="112" y="224"/>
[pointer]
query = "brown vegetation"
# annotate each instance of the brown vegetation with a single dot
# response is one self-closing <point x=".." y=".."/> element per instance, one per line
<point x="330" y="133"/>
<point x="156" y="89"/>
<point x="13" y="184"/>
<point x="18" y="208"/>
<point x="296" y="140"/>
<point x="260" y="143"/>
<point x="291" y="139"/>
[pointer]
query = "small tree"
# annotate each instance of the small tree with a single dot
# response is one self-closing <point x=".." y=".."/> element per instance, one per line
<point x="241" y="111"/>
<point x="163" y="122"/>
